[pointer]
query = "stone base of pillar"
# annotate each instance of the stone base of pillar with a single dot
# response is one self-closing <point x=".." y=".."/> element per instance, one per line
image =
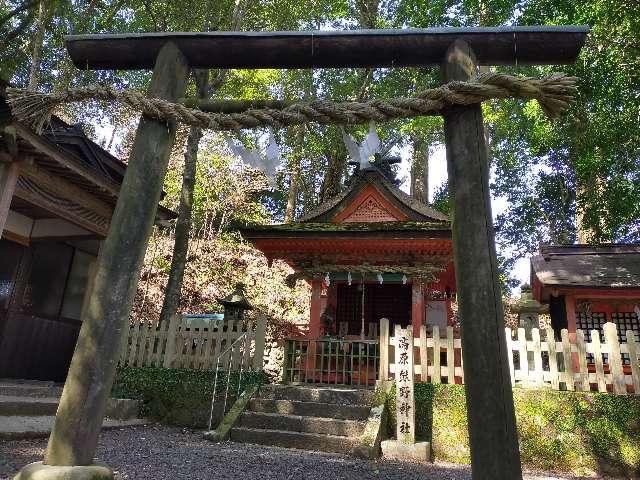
<point x="412" y="452"/>
<point x="39" y="471"/>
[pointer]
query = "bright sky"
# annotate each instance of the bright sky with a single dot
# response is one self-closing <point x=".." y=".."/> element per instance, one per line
<point x="437" y="176"/>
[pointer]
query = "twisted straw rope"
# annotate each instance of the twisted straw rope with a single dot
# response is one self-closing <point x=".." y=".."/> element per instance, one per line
<point x="554" y="93"/>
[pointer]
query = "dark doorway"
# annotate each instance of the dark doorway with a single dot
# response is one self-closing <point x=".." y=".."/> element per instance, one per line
<point x="389" y="300"/>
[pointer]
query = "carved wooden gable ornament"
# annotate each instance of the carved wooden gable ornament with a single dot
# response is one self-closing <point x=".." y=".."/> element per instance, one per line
<point x="371" y="210"/>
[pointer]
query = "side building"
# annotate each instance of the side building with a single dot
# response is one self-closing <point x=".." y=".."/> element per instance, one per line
<point x="58" y="190"/>
<point x="586" y="286"/>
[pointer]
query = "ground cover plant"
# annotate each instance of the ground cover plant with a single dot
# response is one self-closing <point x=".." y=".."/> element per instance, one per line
<point x="581" y="433"/>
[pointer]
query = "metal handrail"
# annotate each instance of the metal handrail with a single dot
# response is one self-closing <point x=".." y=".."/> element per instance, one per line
<point x="229" y="350"/>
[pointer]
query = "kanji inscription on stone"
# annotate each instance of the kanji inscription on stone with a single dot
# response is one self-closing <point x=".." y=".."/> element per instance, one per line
<point x="405" y="407"/>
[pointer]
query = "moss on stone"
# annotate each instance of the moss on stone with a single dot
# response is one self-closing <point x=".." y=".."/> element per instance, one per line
<point x="178" y="397"/>
<point x="350" y="226"/>
<point x="581" y="433"/>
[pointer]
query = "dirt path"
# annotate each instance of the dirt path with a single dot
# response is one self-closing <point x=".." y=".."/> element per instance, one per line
<point x="159" y="453"/>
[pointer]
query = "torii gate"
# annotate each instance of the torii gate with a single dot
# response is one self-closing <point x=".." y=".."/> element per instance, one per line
<point x="458" y="52"/>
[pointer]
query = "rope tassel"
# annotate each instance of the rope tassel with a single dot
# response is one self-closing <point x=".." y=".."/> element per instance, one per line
<point x="554" y="93"/>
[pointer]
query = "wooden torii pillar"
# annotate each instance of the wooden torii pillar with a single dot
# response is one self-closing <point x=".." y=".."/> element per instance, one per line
<point x="459" y="50"/>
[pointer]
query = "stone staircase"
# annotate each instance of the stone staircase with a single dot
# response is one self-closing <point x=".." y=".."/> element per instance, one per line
<point x="28" y="408"/>
<point x="309" y="418"/>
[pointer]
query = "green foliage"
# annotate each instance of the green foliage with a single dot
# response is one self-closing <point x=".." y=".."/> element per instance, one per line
<point x="585" y="165"/>
<point x="574" y="432"/>
<point x="178" y="397"/>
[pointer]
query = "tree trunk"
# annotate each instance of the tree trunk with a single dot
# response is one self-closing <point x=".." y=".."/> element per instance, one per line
<point x="420" y="170"/>
<point x="294" y="172"/>
<point x="292" y="197"/>
<point x="171" y="301"/>
<point x="331" y="184"/>
<point x="38" y="39"/>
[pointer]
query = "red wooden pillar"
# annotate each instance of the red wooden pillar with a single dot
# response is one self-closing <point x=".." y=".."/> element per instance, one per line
<point x="316" y="308"/>
<point x="570" y="305"/>
<point x="417" y="307"/>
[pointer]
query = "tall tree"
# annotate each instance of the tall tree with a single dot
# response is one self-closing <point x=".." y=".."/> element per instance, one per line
<point x="204" y="89"/>
<point x="577" y="178"/>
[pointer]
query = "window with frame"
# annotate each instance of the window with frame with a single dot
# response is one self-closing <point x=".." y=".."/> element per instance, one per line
<point x="588" y="322"/>
<point x="626" y="321"/>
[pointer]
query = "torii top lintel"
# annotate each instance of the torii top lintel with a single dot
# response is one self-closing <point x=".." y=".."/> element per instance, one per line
<point x="541" y="45"/>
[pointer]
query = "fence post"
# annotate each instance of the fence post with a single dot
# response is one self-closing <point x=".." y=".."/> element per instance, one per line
<point x="632" y="345"/>
<point x="451" y="358"/>
<point x="124" y="345"/>
<point x="553" y="358"/>
<point x="170" y="346"/>
<point x="437" y="371"/>
<point x="261" y="328"/>
<point x="615" y="359"/>
<point x="584" y="384"/>
<point x="567" y="359"/>
<point x="509" y="336"/>
<point x="524" y="357"/>
<point x="384" y="349"/>
<point x="537" y="377"/>
<point x="424" y="358"/>
<point x="597" y="357"/>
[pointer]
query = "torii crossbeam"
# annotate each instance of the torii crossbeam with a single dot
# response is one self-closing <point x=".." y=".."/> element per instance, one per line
<point x="459" y="51"/>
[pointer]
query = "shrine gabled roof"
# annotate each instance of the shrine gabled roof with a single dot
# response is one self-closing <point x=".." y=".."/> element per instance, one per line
<point x="603" y="266"/>
<point x="412" y="208"/>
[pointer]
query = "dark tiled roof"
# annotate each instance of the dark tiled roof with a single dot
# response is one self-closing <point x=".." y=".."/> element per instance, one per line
<point x="416" y="209"/>
<point x="72" y="139"/>
<point x="605" y="266"/>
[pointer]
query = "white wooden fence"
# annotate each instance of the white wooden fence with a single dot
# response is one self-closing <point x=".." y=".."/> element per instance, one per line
<point x="535" y="362"/>
<point x="190" y="345"/>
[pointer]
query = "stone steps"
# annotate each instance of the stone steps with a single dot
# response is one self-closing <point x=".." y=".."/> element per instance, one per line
<point x="37" y="390"/>
<point x="117" y="408"/>
<point x="299" y="440"/>
<point x="308" y="418"/>
<point x="298" y="423"/>
<point x="309" y="409"/>
<point x="27" y="406"/>
<point x="340" y="396"/>
<point x="19" y="427"/>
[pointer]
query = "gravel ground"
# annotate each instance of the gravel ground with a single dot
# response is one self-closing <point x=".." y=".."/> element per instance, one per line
<point x="159" y="453"/>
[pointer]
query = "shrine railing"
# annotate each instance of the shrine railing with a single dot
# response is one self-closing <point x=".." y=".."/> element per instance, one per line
<point x="189" y="345"/>
<point x="333" y="361"/>
<point x="536" y="359"/>
<point x="607" y="361"/>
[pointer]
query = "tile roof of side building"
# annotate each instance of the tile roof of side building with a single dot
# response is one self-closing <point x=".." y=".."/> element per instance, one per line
<point x="72" y="140"/>
<point x="602" y="266"/>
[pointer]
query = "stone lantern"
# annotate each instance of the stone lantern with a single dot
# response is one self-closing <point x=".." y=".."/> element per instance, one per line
<point x="529" y="310"/>
<point x="235" y="304"/>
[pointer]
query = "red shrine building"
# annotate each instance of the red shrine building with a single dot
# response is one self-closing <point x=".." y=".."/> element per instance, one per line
<point x="371" y="252"/>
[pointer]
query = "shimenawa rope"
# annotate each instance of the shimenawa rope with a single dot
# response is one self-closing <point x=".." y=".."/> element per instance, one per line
<point x="554" y="93"/>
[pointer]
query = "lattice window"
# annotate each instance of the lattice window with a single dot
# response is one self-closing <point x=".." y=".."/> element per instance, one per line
<point x="626" y="321"/>
<point x="592" y="321"/>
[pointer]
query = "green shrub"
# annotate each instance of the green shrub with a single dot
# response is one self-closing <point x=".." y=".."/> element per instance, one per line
<point x="574" y="432"/>
<point x="178" y="397"/>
